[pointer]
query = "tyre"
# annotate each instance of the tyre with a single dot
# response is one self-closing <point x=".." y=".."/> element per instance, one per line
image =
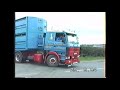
<point x="18" y="57"/>
<point x="52" y="61"/>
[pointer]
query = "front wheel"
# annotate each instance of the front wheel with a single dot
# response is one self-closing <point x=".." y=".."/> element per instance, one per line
<point x="52" y="61"/>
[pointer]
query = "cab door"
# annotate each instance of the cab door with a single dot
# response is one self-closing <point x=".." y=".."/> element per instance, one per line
<point x="49" y="41"/>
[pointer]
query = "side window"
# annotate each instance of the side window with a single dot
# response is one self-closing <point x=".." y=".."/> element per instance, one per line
<point x="50" y="36"/>
<point x="60" y="37"/>
<point x="57" y="36"/>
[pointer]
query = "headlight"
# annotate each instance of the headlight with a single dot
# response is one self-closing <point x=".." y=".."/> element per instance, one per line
<point x="75" y="53"/>
<point x="68" y="57"/>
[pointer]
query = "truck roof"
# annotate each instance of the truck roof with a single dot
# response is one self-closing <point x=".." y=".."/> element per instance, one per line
<point x="28" y="17"/>
<point x="61" y="32"/>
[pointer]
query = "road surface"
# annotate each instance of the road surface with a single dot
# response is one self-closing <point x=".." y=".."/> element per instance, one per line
<point x="86" y="69"/>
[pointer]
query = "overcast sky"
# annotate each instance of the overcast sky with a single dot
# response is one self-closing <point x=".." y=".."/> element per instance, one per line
<point x="90" y="26"/>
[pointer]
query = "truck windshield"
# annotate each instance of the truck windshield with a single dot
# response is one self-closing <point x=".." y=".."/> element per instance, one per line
<point x="72" y="39"/>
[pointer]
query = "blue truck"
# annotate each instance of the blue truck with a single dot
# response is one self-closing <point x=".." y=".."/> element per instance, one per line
<point x="33" y="42"/>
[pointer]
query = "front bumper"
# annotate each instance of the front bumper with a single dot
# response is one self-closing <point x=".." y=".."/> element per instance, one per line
<point x="72" y="61"/>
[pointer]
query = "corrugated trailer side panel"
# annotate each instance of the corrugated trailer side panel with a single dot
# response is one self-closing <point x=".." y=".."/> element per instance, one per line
<point x="27" y="32"/>
<point x="32" y="33"/>
<point x="36" y="26"/>
<point x="21" y="34"/>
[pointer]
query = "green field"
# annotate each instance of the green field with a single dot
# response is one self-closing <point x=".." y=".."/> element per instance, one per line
<point x="88" y="58"/>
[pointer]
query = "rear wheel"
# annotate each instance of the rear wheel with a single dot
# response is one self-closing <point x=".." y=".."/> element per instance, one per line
<point x="18" y="57"/>
<point x="52" y="61"/>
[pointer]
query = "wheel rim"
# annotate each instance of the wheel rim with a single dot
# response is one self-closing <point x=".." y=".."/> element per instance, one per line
<point x="52" y="60"/>
<point x="17" y="58"/>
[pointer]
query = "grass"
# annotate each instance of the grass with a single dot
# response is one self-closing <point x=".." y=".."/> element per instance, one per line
<point x="90" y="58"/>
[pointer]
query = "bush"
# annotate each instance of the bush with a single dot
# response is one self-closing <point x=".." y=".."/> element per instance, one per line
<point x="88" y="50"/>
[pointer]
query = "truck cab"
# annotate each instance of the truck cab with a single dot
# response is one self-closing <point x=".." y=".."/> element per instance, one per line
<point x="68" y="48"/>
